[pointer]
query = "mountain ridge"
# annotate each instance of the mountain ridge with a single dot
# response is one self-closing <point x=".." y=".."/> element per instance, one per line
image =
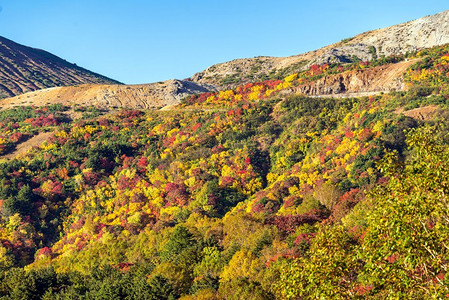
<point x="390" y="41"/>
<point x="24" y="69"/>
<point x="425" y="32"/>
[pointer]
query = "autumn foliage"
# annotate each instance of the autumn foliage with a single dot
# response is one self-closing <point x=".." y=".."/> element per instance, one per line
<point x="247" y="192"/>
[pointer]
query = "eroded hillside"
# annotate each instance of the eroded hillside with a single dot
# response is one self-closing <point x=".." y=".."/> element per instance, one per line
<point x="385" y="78"/>
<point x="425" y="32"/>
<point x="154" y="95"/>
<point x="24" y="69"/>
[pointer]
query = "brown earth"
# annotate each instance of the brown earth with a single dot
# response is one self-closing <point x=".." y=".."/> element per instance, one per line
<point x="169" y="93"/>
<point x="145" y="96"/>
<point x="366" y="81"/>
<point x="23" y="147"/>
<point x="424" y="113"/>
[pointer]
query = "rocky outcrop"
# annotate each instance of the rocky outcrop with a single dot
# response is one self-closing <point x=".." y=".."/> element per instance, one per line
<point x="425" y="113"/>
<point x="379" y="79"/>
<point x="425" y="32"/>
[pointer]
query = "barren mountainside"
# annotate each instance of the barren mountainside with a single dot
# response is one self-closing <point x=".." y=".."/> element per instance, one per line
<point x="425" y="32"/>
<point x="24" y="69"/>
<point x="142" y="96"/>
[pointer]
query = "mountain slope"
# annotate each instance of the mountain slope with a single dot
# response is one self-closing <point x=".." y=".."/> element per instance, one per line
<point x="139" y="96"/>
<point x="357" y="82"/>
<point x="425" y="32"/>
<point x="24" y="69"/>
<point x="374" y="80"/>
<point x="250" y="193"/>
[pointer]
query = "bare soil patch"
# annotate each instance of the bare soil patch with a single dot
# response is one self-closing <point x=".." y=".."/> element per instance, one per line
<point x="23" y="147"/>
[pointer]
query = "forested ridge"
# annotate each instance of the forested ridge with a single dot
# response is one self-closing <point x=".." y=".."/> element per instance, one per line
<point x="248" y="193"/>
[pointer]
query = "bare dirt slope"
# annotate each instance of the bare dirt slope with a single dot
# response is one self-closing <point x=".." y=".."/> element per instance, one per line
<point x="24" y="69"/>
<point x="154" y="95"/>
<point x="425" y="113"/>
<point x="425" y="32"/>
<point x="23" y="147"/>
<point x="379" y="79"/>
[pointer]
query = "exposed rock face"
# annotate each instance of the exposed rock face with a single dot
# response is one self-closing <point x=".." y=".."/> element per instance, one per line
<point x="24" y="69"/>
<point x="152" y="95"/>
<point x="380" y="79"/>
<point x="425" y="32"/>
<point x="236" y="71"/>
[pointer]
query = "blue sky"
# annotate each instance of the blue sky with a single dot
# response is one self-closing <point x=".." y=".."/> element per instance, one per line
<point x="137" y="41"/>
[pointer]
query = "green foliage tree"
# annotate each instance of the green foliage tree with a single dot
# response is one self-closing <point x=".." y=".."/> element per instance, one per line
<point x="405" y="248"/>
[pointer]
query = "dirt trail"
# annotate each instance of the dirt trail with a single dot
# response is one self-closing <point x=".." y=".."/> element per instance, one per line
<point x="23" y="147"/>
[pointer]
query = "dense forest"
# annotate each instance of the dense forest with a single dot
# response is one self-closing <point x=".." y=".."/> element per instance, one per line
<point x="249" y="193"/>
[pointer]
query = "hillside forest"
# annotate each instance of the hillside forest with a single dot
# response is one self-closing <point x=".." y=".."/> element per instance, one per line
<point x="247" y="193"/>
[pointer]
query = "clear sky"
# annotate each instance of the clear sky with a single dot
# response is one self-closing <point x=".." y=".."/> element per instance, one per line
<point x="137" y="41"/>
